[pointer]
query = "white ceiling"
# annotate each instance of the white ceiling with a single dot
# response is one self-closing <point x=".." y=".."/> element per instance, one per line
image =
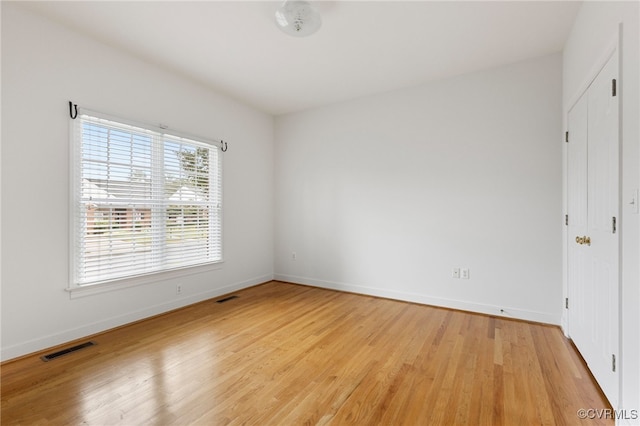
<point x="362" y="47"/>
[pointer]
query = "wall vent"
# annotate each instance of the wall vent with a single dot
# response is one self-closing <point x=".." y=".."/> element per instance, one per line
<point x="226" y="299"/>
<point x="66" y="351"/>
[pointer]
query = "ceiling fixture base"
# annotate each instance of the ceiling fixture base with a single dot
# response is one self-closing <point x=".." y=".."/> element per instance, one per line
<point x="298" y="18"/>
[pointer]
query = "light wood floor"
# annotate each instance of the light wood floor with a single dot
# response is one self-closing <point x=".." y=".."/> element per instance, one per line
<point x="292" y="355"/>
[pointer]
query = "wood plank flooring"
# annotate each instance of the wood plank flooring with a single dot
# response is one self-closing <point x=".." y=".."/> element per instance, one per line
<point x="283" y="354"/>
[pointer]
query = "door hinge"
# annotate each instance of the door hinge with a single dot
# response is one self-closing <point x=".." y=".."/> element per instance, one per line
<point x="566" y="303"/>
<point x="613" y="362"/>
<point x="613" y="224"/>
<point x="613" y="87"/>
<point x="566" y="137"/>
<point x="566" y="219"/>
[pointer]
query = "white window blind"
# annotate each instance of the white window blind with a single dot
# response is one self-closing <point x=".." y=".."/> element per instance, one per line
<point x="144" y="201"/>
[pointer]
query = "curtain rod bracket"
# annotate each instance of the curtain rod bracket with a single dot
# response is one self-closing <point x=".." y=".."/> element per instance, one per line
<point x="73" y="106"/>
<point x="223" y="146"/>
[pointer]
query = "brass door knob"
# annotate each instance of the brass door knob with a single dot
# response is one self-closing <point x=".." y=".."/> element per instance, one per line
<point x="583" y="240"/>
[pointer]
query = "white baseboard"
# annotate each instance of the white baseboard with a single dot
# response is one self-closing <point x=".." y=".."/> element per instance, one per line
<point x="49" y="341"/>
<point x="69" y="335"/>
<point x="501" y="311"/>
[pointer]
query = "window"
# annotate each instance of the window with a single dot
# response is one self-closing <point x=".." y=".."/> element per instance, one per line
<point x="143" y="201"/>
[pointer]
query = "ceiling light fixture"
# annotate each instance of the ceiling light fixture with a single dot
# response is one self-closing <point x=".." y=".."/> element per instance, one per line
<point x="298" y="18"/>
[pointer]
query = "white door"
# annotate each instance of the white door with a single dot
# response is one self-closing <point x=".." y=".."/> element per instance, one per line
<point x="593" y="208"/>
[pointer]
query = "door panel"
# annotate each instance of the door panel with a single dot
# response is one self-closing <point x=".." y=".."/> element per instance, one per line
<point x="603" y="201"/>
<point x="593" y="200"/>
<point x="580" y="290"/>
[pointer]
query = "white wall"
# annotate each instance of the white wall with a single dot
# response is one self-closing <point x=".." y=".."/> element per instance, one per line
<point x="594" y="29"/>
<point x="43" y="67"/>
<point x="385" y="195"/>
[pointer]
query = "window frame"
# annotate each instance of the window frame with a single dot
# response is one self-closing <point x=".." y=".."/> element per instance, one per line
<point x="77" y="289"/>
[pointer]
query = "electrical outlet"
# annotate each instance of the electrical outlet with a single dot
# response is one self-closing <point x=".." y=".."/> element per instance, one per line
<point x="464" y="273"/>
<point x="455" y="273"/>
<point x="179" y="289"/>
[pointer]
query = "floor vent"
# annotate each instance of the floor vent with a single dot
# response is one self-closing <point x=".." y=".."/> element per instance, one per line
<point x="66" y="351"/>
<point x="226" y="299"/>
